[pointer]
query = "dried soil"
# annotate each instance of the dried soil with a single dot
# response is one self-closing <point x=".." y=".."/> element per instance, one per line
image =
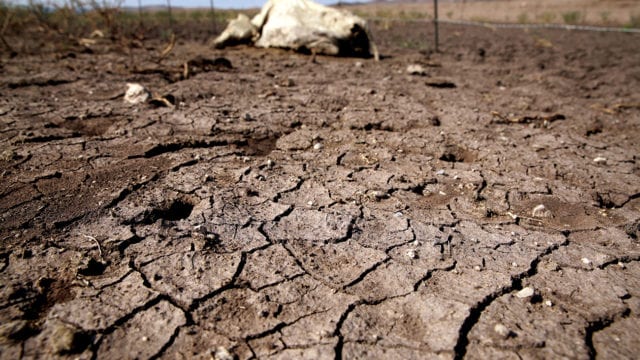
<point x="336" y="208"/>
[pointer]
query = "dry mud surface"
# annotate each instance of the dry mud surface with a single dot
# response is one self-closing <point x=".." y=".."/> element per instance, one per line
<point x="341" y="208"/>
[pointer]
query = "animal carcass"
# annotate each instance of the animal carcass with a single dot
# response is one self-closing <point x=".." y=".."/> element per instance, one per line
<point x="302" y="25"/>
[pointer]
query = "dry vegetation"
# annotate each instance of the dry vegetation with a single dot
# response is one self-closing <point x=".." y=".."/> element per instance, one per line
<point x="61" y="24"/>
<point x="625" y="13"/>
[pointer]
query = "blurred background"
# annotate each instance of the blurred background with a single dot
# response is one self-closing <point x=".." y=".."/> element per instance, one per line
<point x="81" y="21"/>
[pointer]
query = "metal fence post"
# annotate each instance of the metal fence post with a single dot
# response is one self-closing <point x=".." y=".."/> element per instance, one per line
<point x="170" y="15"/>
<point x="435" y="22"/>
<point x="213" y="17"/>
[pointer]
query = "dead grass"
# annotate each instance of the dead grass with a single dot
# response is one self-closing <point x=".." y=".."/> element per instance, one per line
<point x="592" y="12"/>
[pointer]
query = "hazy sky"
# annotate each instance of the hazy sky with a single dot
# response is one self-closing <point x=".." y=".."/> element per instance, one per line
<point x="226" y="4"/>
<point x="236" y="4"/>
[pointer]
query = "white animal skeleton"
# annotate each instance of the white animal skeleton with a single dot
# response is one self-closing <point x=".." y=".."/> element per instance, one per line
<point x="302" y="25"/>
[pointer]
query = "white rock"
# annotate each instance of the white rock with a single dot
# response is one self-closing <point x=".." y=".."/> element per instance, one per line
<point x="585" y="261"/>
<point x="502" y="330"/>
<point x="222" y="354"/>
<point x="548" y="303"/>
<point x="318" y="146"/>
<point x="541" y="211"/>
<point x="411" y="253"/>
<point x="415" y="69"/>
<point x="600" y="160"/>
<point x="136" y="94"/>
<point x="525" y="293"/>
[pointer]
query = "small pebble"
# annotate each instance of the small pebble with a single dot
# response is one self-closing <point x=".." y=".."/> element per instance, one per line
<point x="502" y="330"/>
<point x="270" y="163"/>
<point x="586" y="261"/>
<point x="600" y="160"/>
<point x="136" y="94"/>
<point x="548" y="303"/>
<point x="621" y="265"/>
<point x="525" y="293"/>
<point x="222" y="354"/>
<point x="411" y="253"/>
<point x="477" y="268"/>
<point x="318" y="146"/>
<point x="441" y="173"/>
<point x="416" y="69"/>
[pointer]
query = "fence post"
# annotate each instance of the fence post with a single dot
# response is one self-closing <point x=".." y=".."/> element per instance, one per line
<point x="435" y="22"/>
<point x="213" y="17"/>
<point x="170" y="15"/>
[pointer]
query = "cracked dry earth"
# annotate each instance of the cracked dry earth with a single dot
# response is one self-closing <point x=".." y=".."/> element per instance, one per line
<point x="341" y="208"/>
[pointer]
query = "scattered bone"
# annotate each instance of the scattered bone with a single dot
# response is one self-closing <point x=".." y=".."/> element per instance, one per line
<point x="97" y="34"/>
<point x="167" y="50"/>
<point x="163" y="101"/>
<point x="541" y="211"/>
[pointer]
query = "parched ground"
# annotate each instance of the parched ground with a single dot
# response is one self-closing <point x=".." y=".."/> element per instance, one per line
<point x="342" y="208"/>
